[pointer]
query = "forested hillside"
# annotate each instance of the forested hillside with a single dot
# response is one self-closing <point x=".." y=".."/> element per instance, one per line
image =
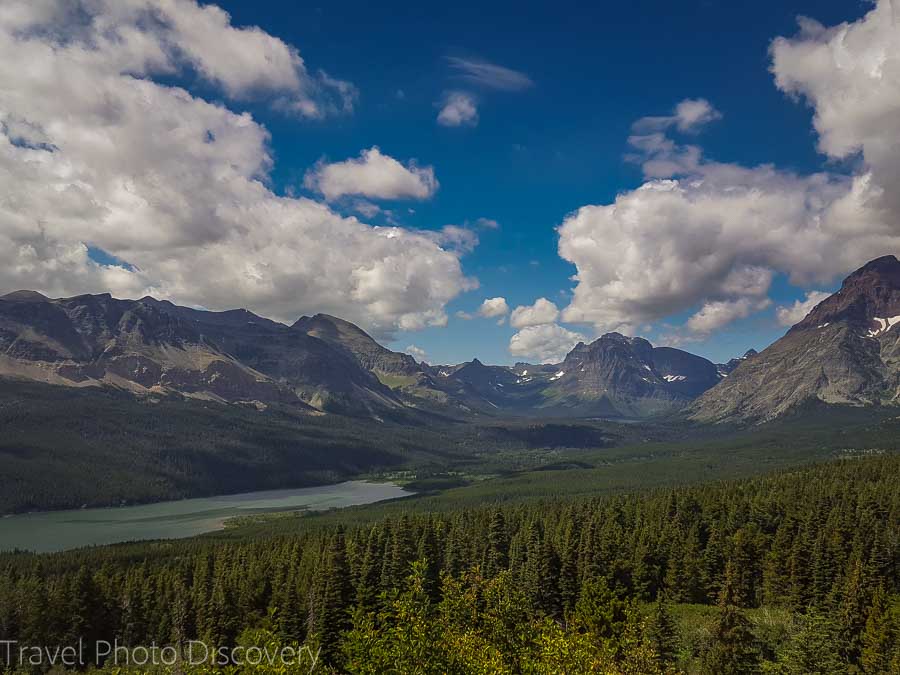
<point x="792" y="573"/>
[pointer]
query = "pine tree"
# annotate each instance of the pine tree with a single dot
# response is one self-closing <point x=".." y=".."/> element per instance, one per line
<point x="498" y="545"/>
<point x="334" y="617"/>
<point x="370" y="571"/>
<point x="403" y="551"/>
<point x="879" y="636"/>
<point x="814" y="649"/>
<point x="600" y="613"/>
<point x="733" y="651"/>
<point x="800" y="573"/>
<point x="568" y="570"/>
<point x="430" y="561"/>
<point x="851" y="614"/>
<point x="645" y="570"/>
<point x="548" y="598"/>
<point x="776" y="570"/>
<point x="86" y="614"/>
<point x="663" y="635"/>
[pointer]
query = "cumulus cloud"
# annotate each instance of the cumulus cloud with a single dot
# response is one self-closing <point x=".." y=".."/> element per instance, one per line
<point x="373" y="174"/>
<point x="788" y="315"/>
<point x="716" y="314"/>
<point x="700" y="232"/>
<point x="417" y="352"/>
<point x="98" y="150"/>
<point x="490" y="75"/>
<point x="542" y="311"/>
<point x="547" y="343"/>
<point x="493" y="308"/>
<point x="145" y="37"/>
<point x="458" y="109"/>
<point x="850" y="75"/>
<point x="689" y="116"/>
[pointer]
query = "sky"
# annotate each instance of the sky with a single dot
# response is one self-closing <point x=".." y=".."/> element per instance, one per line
<point x="470" y="180"/>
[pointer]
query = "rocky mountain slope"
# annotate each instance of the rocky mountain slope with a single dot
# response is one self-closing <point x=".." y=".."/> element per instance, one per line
<point x="726" y="369"/>
<point x="149" y="346"/>
<point x="153" y="347"/>
<point x="618" y="375"/>
<point x="846" y="351"/>
<point x="613" y="376"/>
<point x="358" y="344"/>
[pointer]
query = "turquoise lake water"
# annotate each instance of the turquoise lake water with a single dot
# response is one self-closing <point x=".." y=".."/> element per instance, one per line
<point x="61" y="530"/>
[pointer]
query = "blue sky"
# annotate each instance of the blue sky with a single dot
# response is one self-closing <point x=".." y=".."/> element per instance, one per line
<point x="538" y="154"/>
<point x="673" y="170"/>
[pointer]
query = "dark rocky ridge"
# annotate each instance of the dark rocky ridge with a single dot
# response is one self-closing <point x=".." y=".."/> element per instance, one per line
<point x="152" y="346"/>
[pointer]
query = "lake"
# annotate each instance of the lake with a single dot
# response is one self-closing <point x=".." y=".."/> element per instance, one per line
<point x="61" y="530"/>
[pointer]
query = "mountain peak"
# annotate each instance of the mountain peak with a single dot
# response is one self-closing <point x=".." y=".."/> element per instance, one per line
<point x="24" y="296"/>
<point x="358" y="343"/>
<point x="870" y="292"/>
<point x="327" y="322"/>
<point x="886" y="264"/>
<point x="614" y="336"/>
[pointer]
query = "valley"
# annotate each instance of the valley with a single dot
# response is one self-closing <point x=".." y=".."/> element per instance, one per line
<point x="667" y="493"/>
<point x="107" y="402"/>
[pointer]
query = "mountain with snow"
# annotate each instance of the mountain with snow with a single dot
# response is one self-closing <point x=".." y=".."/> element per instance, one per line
<point x="626" y="376"/>
<point x="846" y="351"/>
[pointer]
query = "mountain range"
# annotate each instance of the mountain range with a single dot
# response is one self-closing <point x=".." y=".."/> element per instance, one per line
<point x="844" y="352"/>
<point x="320" y="363"/>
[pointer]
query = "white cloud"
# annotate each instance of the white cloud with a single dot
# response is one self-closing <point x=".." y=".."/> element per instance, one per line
<point x="548" y="343"/>
<point x="689" y="116"/>
<point x="455" y="238"/>
<point x="699" y="232"/>
<point x="373" y="174"/>
<point x="542" y="311"/>
<point x="487" y="224"/>
<point x="95" y="151"/>
<point x="719" y="235"/>
<point x="458" y="109"/>
<point x="850" y="75"/>
<point x="417" y="352"/>
<point x="493" y="308"/>
<point x="366" y="208"/>
<point x="716" y="314"/>
<point x="788" y="315"/>
<point x="144" y="37"/>
<point x="490" y="75"/>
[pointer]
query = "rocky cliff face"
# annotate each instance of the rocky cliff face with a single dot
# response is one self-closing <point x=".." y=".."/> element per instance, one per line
<point x="845" y="351"/>
<point x="151" y="346"/>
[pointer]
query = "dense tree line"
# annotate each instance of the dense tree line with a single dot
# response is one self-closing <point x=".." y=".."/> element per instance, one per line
<point x="547" y="586"/>
<point x="65" y="448"/>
